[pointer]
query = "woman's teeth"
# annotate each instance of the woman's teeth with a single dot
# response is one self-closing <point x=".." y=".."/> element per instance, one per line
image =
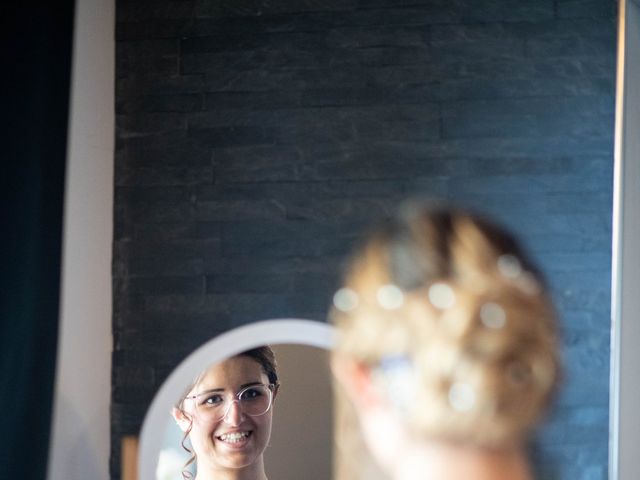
<point x="233" y="437"/>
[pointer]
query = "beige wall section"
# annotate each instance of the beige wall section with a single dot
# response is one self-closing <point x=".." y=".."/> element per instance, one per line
<point x="302" y="437"/>
<point x="80" y="436"/>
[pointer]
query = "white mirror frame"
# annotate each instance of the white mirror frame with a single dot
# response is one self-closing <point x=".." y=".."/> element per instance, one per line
<point x="266" y="332"/>
<point x="624" y="427"/>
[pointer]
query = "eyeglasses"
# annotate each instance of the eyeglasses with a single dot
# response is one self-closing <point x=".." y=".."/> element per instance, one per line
<point x="213" y="406"/>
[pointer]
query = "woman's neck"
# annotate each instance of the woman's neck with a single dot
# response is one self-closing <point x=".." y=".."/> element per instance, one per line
<point x="441" y="461"/>
<point x="231" y="475"/>
<point x="255" y="471"/>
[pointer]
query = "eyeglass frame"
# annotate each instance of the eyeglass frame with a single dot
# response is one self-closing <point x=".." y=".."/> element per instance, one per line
<point x="272" y="388"/>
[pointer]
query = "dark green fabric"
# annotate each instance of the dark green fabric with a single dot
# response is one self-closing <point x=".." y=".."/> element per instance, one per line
<point x="36" y="64"/>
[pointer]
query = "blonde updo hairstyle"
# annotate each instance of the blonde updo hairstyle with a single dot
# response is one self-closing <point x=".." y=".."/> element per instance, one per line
<point x="446" y="310"/>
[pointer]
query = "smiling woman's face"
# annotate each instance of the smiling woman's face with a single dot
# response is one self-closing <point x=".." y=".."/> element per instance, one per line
<point x="236" y="441"/>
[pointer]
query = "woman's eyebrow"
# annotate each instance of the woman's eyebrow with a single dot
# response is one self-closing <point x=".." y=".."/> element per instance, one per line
<point x="218" y="390"/>
<point x="250" y="384"/>
<point x="211" y="390"/>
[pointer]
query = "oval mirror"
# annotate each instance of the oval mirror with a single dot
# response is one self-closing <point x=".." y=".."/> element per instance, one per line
<point x="302" y="417"/>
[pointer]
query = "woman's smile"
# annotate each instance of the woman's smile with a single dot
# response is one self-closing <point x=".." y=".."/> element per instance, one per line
<point x="235" y="440"/>
<point x="234" y="437"/>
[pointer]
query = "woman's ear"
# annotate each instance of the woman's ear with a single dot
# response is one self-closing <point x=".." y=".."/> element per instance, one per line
<point x="182" y="419"/>
<point x="356" y="379"/>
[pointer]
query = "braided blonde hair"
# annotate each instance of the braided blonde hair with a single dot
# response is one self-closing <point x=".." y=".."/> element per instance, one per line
<point x="456" y="321"/>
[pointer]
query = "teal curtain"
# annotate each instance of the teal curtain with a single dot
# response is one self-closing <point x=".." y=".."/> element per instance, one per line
<point x="36" y="66"/>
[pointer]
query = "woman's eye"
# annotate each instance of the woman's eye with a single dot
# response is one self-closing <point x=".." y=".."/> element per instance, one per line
<point x="250" y="393"/>
<point x="212" y="400"/>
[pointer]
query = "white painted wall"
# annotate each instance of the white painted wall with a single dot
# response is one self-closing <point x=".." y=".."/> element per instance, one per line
<point x="80" y="437"/>
<point x="301" y="443"/>
<point x="624" y="432"/>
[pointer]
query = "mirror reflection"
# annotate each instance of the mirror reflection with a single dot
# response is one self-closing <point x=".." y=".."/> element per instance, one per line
<point x="241" y="417"/>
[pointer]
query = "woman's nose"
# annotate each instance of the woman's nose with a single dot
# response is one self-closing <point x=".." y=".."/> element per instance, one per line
<point x="234" y="414"/>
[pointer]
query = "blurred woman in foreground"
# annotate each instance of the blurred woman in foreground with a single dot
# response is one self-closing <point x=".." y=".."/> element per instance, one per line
<point x="447" y="349"/>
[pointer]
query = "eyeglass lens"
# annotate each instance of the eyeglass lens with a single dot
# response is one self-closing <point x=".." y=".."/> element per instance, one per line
<point x="254" y="401"/>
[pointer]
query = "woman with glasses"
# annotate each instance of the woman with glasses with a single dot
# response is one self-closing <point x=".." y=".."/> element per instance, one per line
<point x="446" y="348"/>
<point x="226" y="415"/>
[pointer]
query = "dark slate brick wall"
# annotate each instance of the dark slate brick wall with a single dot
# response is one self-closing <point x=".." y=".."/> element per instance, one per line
<point x="256" y="140"/>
